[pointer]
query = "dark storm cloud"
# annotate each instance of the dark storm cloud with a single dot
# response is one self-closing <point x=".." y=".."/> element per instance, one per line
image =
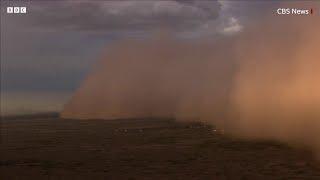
<point x="117" y="16"/>
<point x="36" y="44"/>
<point x="53" y="45"/>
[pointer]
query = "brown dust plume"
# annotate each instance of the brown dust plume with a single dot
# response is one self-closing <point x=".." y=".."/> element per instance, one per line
<point x="261" y="83"/>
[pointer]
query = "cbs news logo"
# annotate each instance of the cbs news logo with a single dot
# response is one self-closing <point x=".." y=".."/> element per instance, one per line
<point x="294" y="11"/>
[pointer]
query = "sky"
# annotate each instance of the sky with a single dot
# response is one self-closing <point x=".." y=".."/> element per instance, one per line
<point x="47" y="52"/>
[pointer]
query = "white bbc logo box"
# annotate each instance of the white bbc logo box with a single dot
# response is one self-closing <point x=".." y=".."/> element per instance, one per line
<point x="16" y="10"/>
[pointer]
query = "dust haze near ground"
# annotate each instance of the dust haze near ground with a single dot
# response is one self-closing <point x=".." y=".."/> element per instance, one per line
<point x="261" y="83"/>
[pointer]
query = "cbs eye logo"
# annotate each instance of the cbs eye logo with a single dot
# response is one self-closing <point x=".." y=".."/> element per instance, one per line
<point x="16" y="10"/>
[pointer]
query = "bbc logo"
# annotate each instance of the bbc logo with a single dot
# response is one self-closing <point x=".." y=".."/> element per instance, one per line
<point x="16" y="10"/>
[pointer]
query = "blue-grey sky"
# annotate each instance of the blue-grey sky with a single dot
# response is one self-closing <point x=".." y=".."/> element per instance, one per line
<point x="51" y="48"/>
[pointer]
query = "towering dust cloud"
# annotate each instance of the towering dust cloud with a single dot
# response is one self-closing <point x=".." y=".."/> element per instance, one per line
<point x="276" y="90"/>
<point x="261" y="83"/>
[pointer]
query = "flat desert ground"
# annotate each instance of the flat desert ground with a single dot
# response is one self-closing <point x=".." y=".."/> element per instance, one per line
<point x="55" y="148"/>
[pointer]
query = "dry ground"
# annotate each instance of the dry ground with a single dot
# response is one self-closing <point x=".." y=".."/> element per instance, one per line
<point x="53" y="148"/>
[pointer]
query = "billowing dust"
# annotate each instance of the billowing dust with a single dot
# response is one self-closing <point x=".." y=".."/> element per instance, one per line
<point x="261" y="83"/>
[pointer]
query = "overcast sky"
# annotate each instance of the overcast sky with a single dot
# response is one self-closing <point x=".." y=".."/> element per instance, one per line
<point x="53" y="46"/>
